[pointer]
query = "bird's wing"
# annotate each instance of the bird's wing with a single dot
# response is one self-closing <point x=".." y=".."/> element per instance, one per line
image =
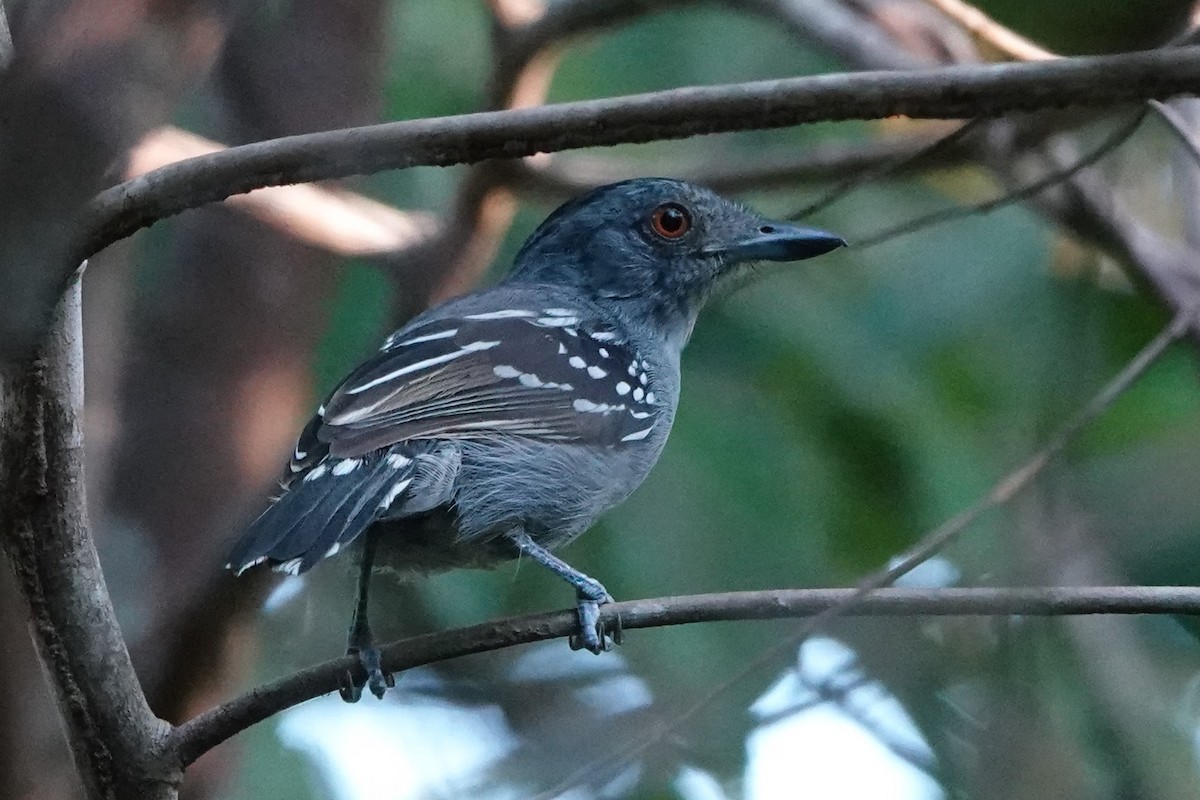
<point x="530" y="373"/>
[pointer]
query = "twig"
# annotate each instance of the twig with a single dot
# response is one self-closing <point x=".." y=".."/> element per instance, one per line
<point x="337" y="220"/>
<point x="891" y="155"/>
<point x="943" y="93"/>
<point x="987" y="30"/>
<point x="1052" y="179"/>
<point x="214" y="726"/>
<point x="852" y="182"/>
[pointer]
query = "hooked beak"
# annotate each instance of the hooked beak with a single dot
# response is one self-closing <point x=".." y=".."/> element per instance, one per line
<point x="779" y="241"/>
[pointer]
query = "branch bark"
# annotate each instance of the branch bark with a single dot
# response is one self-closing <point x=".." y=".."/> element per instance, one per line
<point x="115" y="739"/>
<point x="940" y="93"/>
<point x="209" y="729"/>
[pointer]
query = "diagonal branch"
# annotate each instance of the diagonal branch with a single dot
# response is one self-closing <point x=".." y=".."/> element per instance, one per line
<point x="337" y="220"/>
<point x="202" y="733"/>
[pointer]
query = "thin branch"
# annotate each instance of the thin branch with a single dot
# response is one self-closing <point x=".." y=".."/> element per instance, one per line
<point x="848" y="184"/>
<point x="987" y="30"/>
<point x="337" y="220"/>
<point x="1049" y="181"/>
<point x="893" y="155"/>
<point x="214" y="726"/>
<point x="956" y="92"/>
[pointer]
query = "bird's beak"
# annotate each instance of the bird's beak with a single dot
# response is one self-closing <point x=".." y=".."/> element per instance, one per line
<point x="779" y="241"/>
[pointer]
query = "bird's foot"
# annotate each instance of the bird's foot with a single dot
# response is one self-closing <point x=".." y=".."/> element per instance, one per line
<point x="595" y="634"/>
<point x="376" y="679"/>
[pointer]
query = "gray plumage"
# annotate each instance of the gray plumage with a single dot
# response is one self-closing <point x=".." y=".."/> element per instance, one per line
<point x="505" y="421"/>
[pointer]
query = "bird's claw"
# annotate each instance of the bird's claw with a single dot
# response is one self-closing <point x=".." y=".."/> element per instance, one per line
<point x="595" y="634"/>
<point x="350" y="690"/>
<point x="377" y="680"/>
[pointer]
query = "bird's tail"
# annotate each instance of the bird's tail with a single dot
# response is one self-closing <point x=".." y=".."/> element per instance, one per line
<point x="322" y="512"/>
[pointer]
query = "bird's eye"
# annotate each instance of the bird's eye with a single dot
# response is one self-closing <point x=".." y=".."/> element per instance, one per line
<point x="670" y="221"/>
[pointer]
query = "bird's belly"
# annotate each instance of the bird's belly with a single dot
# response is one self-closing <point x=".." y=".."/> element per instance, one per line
<point x="554" y="491"/>
<point x="430" y="542"/>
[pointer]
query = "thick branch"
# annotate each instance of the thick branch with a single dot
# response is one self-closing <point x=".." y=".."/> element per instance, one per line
<point x="942" y="93"/>
<point x="209" y="729"/>
<point x="115" y="738"/>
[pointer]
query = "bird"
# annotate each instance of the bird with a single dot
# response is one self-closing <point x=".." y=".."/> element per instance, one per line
<point x="500" y="424"/>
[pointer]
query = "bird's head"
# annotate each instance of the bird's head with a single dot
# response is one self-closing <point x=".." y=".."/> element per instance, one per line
<point x="657" y="248"/>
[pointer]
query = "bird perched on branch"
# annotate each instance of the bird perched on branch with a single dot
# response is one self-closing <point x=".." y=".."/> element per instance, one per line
<point x="502" y="423"/>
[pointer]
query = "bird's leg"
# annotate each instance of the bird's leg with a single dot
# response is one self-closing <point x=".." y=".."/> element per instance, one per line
<point x="590" y="594"/>
<point x="361" y="642"/>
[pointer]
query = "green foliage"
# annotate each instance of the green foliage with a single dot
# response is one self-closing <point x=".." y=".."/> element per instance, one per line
<point x="835" y="411"/>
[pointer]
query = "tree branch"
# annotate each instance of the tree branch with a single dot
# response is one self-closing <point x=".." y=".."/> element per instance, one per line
<point x="338" y="220"/>
<point x="115" y="739"/>
<point x="212" y="727"/>
<point x="942" y="93"/>
<point x="887" y="156"/>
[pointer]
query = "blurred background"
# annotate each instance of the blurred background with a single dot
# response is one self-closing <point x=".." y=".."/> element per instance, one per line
<point x="833" y="411"/>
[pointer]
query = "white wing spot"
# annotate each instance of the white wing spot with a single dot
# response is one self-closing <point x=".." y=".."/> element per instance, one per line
<point x="642" y="434"/>
<point x="562" y="349"/>
<point x="642" y="379"/>
<point x="393" y="493"/>
<point x="632" y="369"/>
<point x="596" y="372"/>
<point x="291" y="566"/>
<point x="650" y="398"/>
<point x="429" y="362"/>
<point x="247" y="565"/>
<point x="508" y="313"/>
<point x="603" y="336"/>
<point x="317" y="472"/>
<point x="346" y="466"/>
<point x="622" y="388"/>
<point x="587" y="406"/>
<point x="603" y="352"/>
<point x="531" y="380"/>
<point x="397" y="461"/>
<point x="639" y="414"/>
<point x="429" y="337"/>
<point x="576" y="362"/>
<point x="505" y="371"/>
<point x="561" y="321"/>
<point x="639" y="393"/>
<point x="333" y="551"/>
<point x="559" y="312"/>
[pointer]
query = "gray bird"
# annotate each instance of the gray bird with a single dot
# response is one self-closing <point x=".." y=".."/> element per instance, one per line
<point x="504" y="422"/>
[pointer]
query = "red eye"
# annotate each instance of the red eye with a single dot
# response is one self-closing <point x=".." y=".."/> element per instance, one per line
<point x="670" y="221"/>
